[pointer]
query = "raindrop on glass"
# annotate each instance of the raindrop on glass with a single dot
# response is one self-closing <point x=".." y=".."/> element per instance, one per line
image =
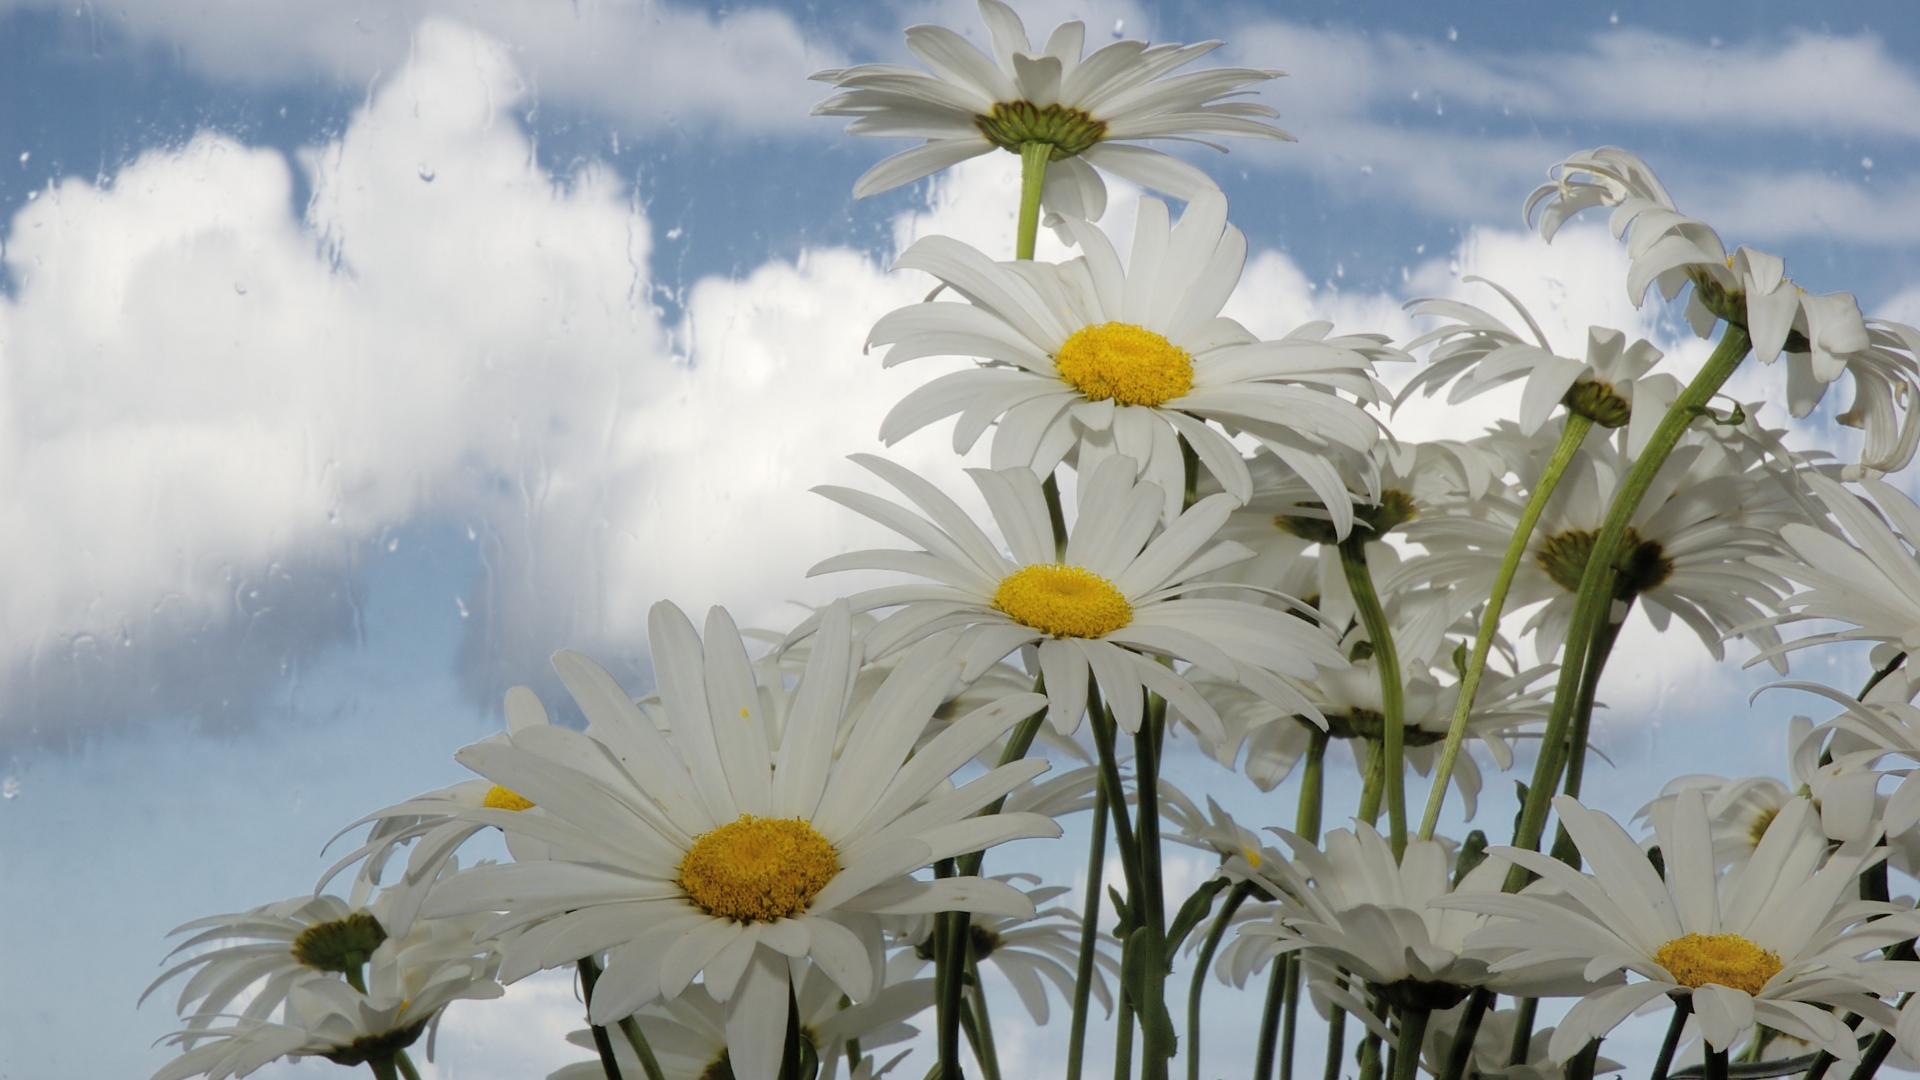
<point x="1119" y="27"/>
<point x="10" y="787"/>
<point x="426" y="174"/>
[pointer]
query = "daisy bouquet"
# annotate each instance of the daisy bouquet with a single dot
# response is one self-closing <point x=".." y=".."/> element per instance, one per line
<point x="772" y="861"/>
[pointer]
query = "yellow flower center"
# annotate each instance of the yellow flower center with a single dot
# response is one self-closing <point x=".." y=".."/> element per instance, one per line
<point x="1762" y="821"/>
<point x="758" y="869"/>
<point x="1064" y="601"/>
<point x="1130" y="364"/>
<point x="1723" y="959"/>
<point x="499" y="798"/>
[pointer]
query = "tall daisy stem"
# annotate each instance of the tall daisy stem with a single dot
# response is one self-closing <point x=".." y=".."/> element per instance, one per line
<point x="1571" y="437"/>
<point x="405" y="1064"/>
<point x="1156" y="1027"/>
<point x="985" y="1050"/>
<point x="1460" y="1053"/>
<point x="1597" y="581"/>
<point x="602" y="1044"/>
<point x="1682" y="1008"/>
<point x="1393" y="730"/>
<point x="1336" y="1044"/>
<point x="383" y="1068"/>
<point x="1413" y="1031"/>
<point x="1200" y="965"/>
<point x="1716" y="1065"/>
<point x="1084" y="972"/>
<point x="1034" y="157"/>
<point x="630" y="1027"/>
<point x="947" y="982"/>
<point x="1270" y="1011"/>
<point x="1597" y="654"/>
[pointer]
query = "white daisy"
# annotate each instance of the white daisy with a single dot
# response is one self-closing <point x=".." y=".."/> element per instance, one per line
<point x="1030" y="952"/>
<point x="1091" y="359"/>
<point x="701" y="852"/>
<point x="1711" y="509"/>
<point x="688" y="1035"/>
<point x="1778" y="941"/>
<point x="433" y="819"/>
<point x="1122" y="595"/>
<point x="408" y="984"/>
<point x="1872" y="583"/>
<point x="1493" y="1048"/>
<point x="266" y="952"/>
<point x="1478" y="352"/>
<point x="1823" y="336"/>
<point x="1086" y="109"/>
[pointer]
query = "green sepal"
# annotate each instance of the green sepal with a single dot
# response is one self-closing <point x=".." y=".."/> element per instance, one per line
<point x="1197" y="907"/>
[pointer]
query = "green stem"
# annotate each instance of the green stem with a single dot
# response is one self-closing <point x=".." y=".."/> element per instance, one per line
<point x="383" y="1068"/>
<point x="1034" y="157"/>
<point x="1089" y="933"/>
<point x="1717" y="1065"/>
<point x="1682" y="1008"/>
<point x="1306" y="821"/>
<point x="1596" y="582"/>
<point x="1155" y="1047"/>
<point x="1373" y="782"/>
<point x="1123" y="1039"/>
<point x="1200" y="965"/>
<point x="1571" y="437"/>
<point x="1270" y="1017"/>
<point x="949" y="952"/>
<point x="1870" y="1061"/>
<point x="356" y="962"/>
<point x="1583" y="1063"/>
<point x="988" y="1054"/>
<point x="1522" y="1046"/>
<point x="790" y="1057"/>
<point x="1056" y="516"/>
<point x="630" y="1027"/>
<point x="1290" y="1019"/>
<point x="589" y="975"/>
<point x="1460" y="1053"/>
<point x="1597" y="654"/>
<point x="405" y="1064"/>
<point x="1413" y="1031"/>
<point x="1366" y="602"/>
<point x="1336" y="1043"/>
<point x="1101" y="720"/>
<point x="1370" y="1064"/>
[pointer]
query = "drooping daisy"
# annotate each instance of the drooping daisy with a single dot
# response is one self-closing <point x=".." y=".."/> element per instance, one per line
<point x="1030" y="953"/>
<point x="431" y="823"/>
<point x="1122" y="595"/>
<point x="1087" y="109"/>
<point x="1777" y="941"/>
<point x="1477" y="352"/>
<point x="1087" y="359"/>
<point x="688" y="1034"/>
<point x="1823" y="337"/>
<point x="408" y="983"/>
<point x="699" y="851"/>
<point x="1493" y="1048"/>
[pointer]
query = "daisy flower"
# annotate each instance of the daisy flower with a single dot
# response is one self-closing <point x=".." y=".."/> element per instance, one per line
<point x="1776" y="942"/>
<point x="1087" y="109"/>
<point x="1088" y="359"/>
<point x="1121" y="595"/>
<point x="1477" y="352"/>
<point x="1711" y="509"/>
<point x="689" y="1033"/>
<point x="1030" y="953"/>
<point x="1872" y="583"/>
<point x="1822" y="336"/>
<point x="433" y="820"/>
<point x="269" y="950"/>
<point x="408" y="984"/>
<point x="1493" y="1048"/>
<point x="700" y="851"/>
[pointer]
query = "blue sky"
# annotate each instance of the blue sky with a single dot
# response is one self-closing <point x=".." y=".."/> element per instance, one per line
<point x="355" y="357"/>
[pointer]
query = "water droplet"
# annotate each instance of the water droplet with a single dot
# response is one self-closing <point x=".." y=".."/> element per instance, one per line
<point x="10" y="788"/>
<point x="239" y="288"/>
<point x="1866" y="163"/>
<point x="1453" y="34"/>
<point x="393" y="544"/>
<point x="426" y="173"/>
<point x="462" y="605"/>
<point x="1614" y="19"/>
<point x="24" y="155"/>
<point x="1119" y="27"/>
<point x="1366" y="170"/>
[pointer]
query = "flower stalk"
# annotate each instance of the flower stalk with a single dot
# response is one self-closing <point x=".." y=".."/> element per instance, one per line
<point x="1597" y="581"/>
<point x="1393" y="709"/>
<point x="1034" y="157"/>
<point x="1571" y="436"/>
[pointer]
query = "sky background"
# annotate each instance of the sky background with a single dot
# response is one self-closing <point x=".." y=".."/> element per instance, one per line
<point x="354" y="357"/>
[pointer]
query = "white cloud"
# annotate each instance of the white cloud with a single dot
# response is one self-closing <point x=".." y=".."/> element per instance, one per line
<point x="645" y="63"/>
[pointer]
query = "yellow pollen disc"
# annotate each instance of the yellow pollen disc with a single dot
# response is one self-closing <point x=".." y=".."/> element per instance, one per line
<point x="757" y="869"/>
<point x="1130" y="364"/>
<point x="1723" y="959"/>
<point x="1762" y="821"/>
<point x="499" y="798"/>
<point x="1253" y="857"/>
<point x="1064" y="601"/>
